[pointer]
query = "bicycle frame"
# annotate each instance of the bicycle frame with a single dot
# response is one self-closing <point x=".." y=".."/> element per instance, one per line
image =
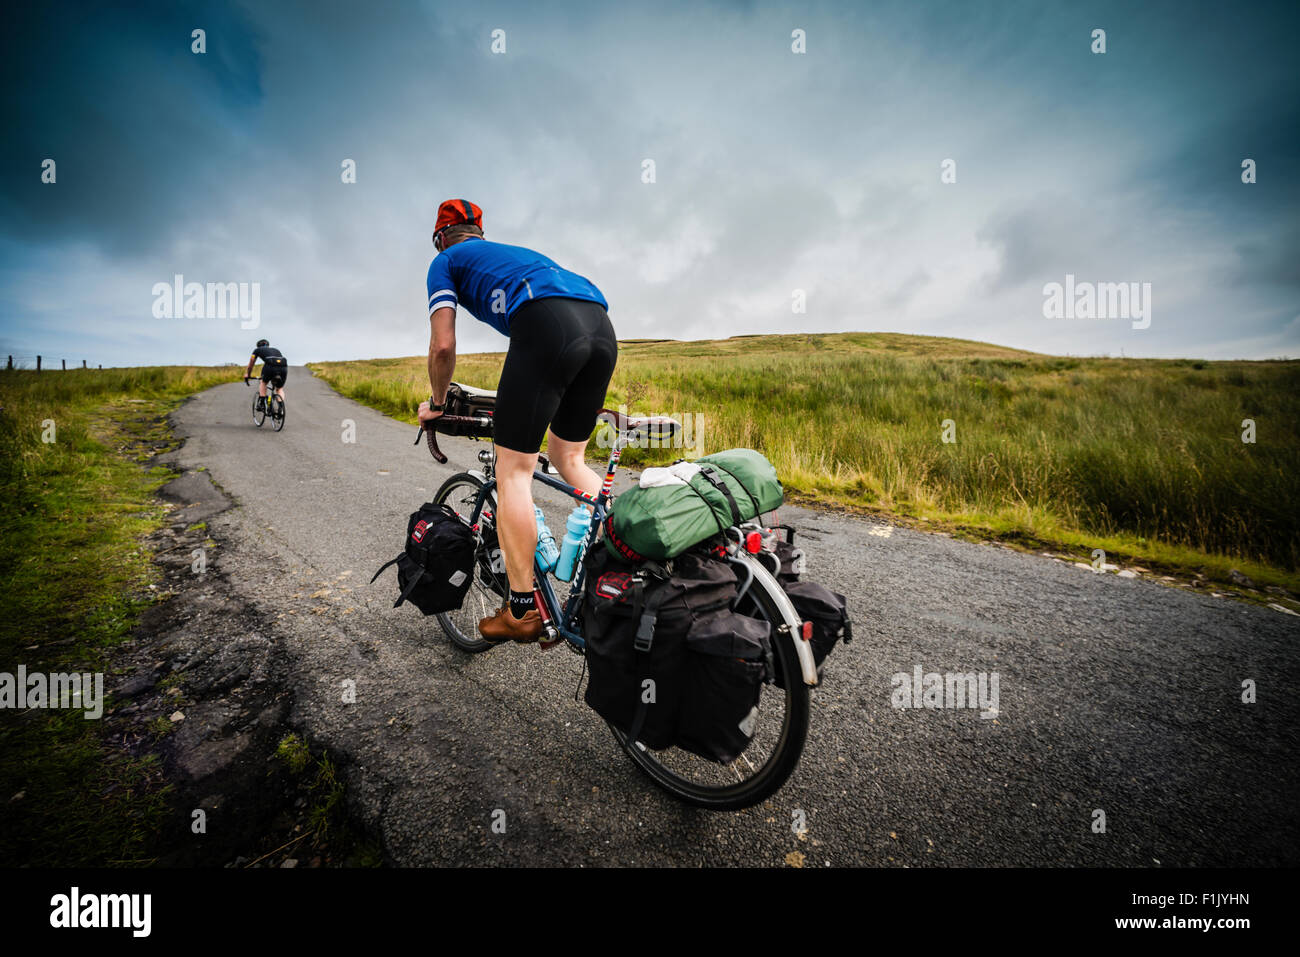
<point x="562" y="621"/>
<point x="561" y="624"/>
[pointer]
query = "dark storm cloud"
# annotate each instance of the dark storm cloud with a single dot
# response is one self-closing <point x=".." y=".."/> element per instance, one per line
<point x="143" y="132"/>
<point x="775" y="172"/>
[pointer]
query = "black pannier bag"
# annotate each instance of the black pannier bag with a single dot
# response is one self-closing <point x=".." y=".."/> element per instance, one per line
<point x="621" y="600"/>
<point x="671" y="664"/>
<point x="729" y="656"/>
<point x="825" y="610"/>
<point x="433" y="572"/>
<point x="464" y="400"/>
<point x="828" y="613"/>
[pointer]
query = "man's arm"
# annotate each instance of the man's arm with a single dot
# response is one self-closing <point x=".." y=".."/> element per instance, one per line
<point x="249" y="371"/>
<point x="442" y="353"/>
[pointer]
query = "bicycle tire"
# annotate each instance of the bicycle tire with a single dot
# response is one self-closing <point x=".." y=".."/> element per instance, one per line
<point x="780" y="764"/>
<point x="259" y="415"/>
<point x="277" y="414"/>
<point x="488" y="591"/>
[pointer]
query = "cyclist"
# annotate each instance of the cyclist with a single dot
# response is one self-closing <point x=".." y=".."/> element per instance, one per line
<point x="560" y="359"/>
<point x="275" y="369"/>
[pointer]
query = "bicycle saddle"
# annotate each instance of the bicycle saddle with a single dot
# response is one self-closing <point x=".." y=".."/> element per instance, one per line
<point x="659" y="426"/>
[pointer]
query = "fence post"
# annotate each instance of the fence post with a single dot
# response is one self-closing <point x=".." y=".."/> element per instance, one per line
<point x="11" y="363"/>
<point x="83" y="363"/>
<point x="38" y="363"/>
<point x="101" y="365"/>
<point x="65" y="364"/>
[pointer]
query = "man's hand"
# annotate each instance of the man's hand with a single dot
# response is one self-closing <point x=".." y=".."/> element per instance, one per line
<point x="426" y="414"/>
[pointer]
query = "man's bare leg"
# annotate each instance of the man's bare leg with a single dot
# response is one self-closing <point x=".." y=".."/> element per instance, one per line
<point x="570" y="459"/>
<point x="516" y="522"/>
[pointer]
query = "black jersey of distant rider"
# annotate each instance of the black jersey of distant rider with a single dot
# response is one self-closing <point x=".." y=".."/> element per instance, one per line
<point x="268" y="352"/>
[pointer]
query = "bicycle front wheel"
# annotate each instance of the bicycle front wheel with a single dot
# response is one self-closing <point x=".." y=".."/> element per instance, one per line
<point x="489" y="590"/>
<point x="782" y="727"/>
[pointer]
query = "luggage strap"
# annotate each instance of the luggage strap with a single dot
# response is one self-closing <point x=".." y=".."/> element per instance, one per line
<point x="711" y="476"/>
<point x="410" y="586"/>
<point x="386" y="565"/>
<point x="708" y="471"/>
<point x="722" y="529"/>
<point x="645" y="615"/>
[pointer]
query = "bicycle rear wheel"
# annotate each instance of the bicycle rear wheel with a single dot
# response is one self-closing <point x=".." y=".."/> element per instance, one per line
<point x="489" y="590"/>
<point x="778" y="738"/>
<point x="277" y="411"/>
<point x="259" y="415"/>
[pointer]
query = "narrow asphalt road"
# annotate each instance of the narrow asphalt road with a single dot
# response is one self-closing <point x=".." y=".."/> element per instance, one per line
<point x="1116" y="695"/>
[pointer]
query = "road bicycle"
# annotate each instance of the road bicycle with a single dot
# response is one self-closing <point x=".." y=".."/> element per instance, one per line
<point x="783" y="713"/>
<point x="274" y="406"/>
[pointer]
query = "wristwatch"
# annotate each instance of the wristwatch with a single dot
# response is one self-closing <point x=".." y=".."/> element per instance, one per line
<point x="436" y="408"/>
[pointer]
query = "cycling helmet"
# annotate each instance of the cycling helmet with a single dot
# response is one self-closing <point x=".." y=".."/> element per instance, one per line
<point x="262" y="342"/>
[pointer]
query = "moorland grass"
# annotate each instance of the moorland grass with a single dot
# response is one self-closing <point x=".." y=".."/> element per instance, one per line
<point x="1141" y="457"/>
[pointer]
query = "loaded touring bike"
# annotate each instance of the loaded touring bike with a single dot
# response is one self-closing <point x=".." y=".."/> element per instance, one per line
<point x="780" y="722"/>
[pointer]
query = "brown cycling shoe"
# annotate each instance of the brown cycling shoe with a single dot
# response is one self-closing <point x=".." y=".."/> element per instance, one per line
<point x="503" y="626"/>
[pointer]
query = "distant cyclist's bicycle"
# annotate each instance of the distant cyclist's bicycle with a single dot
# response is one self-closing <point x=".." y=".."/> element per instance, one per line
<point x="272" y="408"/>
<point x="783" y="712"/>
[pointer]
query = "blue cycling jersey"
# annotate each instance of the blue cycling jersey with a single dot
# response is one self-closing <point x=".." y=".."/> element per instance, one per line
<point x="492" y="280"/>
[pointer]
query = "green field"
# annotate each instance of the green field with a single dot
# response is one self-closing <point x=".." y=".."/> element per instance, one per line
<point x="1141" y="457"/>
<point x="73" y="577"/>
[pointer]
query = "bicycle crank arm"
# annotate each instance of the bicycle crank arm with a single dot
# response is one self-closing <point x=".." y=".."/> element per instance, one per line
<point x="552" y="634"/>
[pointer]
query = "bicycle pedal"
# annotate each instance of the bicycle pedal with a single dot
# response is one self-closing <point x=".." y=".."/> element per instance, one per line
<point x="548" y="645"/>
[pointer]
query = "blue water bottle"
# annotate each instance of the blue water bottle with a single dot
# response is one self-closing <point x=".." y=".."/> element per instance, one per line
<point x="576" y="527"/>
<point x="546" y="550"/>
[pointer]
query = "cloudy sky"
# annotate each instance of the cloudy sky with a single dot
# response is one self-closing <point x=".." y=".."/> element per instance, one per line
<point x="775" y="171"/>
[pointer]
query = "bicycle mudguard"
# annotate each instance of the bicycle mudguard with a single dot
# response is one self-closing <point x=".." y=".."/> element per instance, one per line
<point x="807" y="661"/>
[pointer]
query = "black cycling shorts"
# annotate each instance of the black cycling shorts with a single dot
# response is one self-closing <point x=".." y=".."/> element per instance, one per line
<point x="276" y="372"/>
<point x="561" y="357"/>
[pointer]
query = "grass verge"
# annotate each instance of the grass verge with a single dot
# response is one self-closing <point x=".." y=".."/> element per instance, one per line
<point x="74" y="575"/>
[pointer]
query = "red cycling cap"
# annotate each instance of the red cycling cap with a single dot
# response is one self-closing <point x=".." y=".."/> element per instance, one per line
<point x="457" y="212"/>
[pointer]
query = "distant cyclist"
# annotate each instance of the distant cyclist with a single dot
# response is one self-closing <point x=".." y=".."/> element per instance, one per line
<point x="275" y="369"/>
<point x="561" y="357"/>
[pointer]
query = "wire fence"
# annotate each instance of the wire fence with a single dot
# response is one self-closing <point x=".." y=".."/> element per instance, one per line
<point x="47" y="363"/>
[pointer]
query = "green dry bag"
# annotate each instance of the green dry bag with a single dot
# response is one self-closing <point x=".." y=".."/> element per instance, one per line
<point x="685" y="503"/>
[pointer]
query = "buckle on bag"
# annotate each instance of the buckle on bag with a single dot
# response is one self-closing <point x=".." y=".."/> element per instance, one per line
<point x="645" y="632"/>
